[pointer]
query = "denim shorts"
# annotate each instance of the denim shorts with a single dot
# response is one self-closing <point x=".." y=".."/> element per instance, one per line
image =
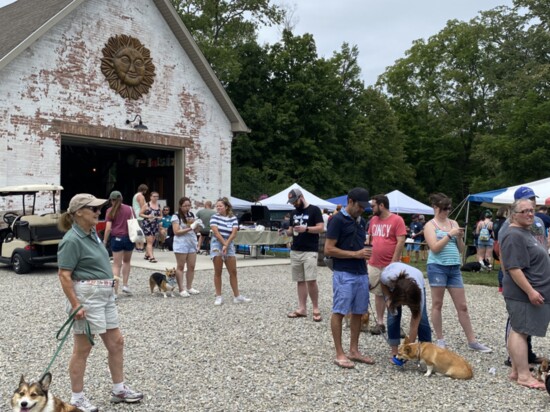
<point x="216" y="249"/>
<point x="99" y="304"/>
<point x="350" y="293"/>
<point x="444" y="276"/>
<point x="120" y="243"/>
<point x="485" y="243"/>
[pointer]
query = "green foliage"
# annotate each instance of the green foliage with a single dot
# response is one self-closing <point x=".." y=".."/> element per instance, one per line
<point x="464" y="111"/>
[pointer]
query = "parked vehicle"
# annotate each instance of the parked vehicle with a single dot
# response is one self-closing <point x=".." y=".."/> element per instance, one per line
<point x="28" y="240"/>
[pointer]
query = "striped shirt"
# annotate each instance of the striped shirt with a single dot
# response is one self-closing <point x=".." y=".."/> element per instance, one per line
<point x="449" y="255"/>
<point x="225" y="224"/>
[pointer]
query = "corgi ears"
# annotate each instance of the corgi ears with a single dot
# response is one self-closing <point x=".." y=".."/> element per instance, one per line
<point x="22" y="380"/>
<point x="406" y="341"/>
<point x="45" y="381"/>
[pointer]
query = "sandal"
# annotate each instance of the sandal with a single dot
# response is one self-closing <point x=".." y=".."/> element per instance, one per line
<point x="317" y="317"/>
<point x="153" y="260"/>
<point x="146" y="257"/>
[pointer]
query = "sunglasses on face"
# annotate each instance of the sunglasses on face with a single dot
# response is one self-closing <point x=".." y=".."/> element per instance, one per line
<point x="94" y="209"/>
<point x="526" y="211"/>
<point x="447" y="208"/>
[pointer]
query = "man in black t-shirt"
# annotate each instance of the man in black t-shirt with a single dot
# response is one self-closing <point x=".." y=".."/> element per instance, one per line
<point x="306" y="222"/>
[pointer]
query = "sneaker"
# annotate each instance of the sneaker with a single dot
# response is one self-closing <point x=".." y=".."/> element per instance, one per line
<point x="193" y="291"/>
<point x="482" y="263"/>
<point x="218" y="301"/>
<point x="397" y="362"/>
<point x="479" y="347"/>
<point x="127" y="396"/>
<point x="84" y="405"/>
<point x="500" y="289"/>
<point x="378" y="329"/>
<point x="126" y="289"/>
<point x="184" y="294"/>
<point x="241" y="299"/>
<point x="441" y="343"/>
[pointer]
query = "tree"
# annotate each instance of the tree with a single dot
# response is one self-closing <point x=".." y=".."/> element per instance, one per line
<point x="220" y="27"/>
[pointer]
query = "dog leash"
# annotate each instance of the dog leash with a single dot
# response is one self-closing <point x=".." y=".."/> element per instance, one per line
<point x="68" y="325"/>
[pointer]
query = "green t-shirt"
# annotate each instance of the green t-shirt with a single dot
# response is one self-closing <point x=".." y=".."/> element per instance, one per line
<point x="84" y="255"/>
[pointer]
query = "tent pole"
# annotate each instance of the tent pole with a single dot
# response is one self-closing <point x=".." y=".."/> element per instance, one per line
<point x="466" y="230"/>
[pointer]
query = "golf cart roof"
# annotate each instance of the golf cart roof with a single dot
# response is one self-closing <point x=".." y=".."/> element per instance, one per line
<point x="27" y="189"/>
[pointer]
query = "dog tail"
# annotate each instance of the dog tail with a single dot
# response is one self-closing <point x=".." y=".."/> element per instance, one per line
<point x="152" y="284"/>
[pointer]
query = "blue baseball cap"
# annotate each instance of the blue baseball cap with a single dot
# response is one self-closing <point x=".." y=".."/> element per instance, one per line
<point x="524" y="192"/>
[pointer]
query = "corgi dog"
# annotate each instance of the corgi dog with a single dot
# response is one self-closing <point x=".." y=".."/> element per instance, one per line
<point x="542" y="371"/>
<point x="36" y="397"/>
<point x="364" y="321"/>
<point x="163" y="281"/>
<point x="436" y="359"/>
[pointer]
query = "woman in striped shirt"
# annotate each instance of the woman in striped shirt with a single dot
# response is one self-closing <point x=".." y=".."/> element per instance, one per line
<point x="224" y="226"/>
<point x="446" y="242"/>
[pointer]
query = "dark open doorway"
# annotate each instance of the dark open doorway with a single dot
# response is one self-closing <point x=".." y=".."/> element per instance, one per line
<point x="89" y="166"/>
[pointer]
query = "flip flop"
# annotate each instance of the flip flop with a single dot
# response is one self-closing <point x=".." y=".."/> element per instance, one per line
<point x="296" y="315"/>
<point x="317" y="317"/>
<point x="535" y="385"/>
<point x="344" y="364"/>
<point x="153" y="260"/>
<point x="361" y="359"/>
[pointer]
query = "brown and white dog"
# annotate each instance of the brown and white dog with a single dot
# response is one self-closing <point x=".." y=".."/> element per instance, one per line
<point x="163" y="282"/>
<point x="364" y="321"/>
<point x="436" y="359"/>
<point x="36" y="397"/>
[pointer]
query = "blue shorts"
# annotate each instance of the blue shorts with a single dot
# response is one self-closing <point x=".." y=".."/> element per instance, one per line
<point x="118" y="244"/>
<point x="485" y="243"/>
<point x="216" y="249"/>
<point x="350" y="293"/>
<point x="414" y="247"/>
<point x="444" y="276"/>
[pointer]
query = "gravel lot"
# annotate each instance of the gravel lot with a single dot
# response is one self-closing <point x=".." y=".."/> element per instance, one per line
<point x="187" y="354"/>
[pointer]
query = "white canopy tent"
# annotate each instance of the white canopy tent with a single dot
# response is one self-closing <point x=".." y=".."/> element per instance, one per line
<point x="279" y="200"/>
<point x="240" y="204"/>
<point x="401" y="203"/>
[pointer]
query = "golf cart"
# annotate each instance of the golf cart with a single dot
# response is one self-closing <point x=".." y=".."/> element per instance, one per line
<point x="26" y="239"/>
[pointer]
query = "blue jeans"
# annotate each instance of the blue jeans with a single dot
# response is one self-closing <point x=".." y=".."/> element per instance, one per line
<point x="394" y="327"/>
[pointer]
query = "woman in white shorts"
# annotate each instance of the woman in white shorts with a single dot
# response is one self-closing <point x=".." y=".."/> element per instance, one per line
<point x="185" y="246"/>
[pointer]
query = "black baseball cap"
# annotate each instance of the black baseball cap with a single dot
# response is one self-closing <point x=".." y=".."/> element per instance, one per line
<point x="361" y="195"/>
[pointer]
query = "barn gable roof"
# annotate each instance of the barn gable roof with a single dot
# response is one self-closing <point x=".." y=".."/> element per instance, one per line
<point x="22" y="23"/>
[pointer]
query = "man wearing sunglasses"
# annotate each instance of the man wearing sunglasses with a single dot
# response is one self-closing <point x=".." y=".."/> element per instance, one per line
<point x="539" y="232"/>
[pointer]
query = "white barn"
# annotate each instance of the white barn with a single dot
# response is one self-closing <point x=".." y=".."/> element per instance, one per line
<point x="77" y="78"/>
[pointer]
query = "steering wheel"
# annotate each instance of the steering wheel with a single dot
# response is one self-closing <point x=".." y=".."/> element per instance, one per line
<point x="9" y="217"/>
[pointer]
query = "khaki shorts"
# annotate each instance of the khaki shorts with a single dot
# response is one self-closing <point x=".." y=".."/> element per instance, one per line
<point x="374" y="280"/>
<point x="304" y="266"/>
<point x="99" y="304"/>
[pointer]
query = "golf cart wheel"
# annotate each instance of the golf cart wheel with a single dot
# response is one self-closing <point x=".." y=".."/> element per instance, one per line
<point x="20" y="266"/>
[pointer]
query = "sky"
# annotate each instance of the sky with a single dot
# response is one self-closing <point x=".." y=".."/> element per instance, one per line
<point x="382" y="29"/>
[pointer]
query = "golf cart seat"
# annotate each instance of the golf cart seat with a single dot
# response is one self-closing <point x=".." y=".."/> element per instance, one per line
<point x="34" y="228"/>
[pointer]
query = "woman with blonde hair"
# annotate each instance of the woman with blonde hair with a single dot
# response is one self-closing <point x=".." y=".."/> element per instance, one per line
<point x="224" y="225"/>
<point x="122" y="247"/>
<point x="86" y="278"/>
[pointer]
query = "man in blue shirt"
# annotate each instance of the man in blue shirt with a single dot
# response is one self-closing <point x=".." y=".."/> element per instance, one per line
<point x="345" y="243"/>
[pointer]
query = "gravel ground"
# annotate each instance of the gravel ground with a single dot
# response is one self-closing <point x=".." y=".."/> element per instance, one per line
<point x="187" y="354"/>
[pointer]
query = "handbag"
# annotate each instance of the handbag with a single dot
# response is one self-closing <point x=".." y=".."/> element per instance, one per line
<point x="135" y="233"/>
